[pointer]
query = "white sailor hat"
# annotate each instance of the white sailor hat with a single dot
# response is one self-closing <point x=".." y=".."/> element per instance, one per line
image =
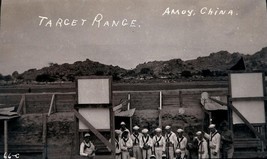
<point x="136" y="127"/>
<point x="167" y="127"/>
<point x="164" y="156"/>
<point x="199" y="133"/>
<point x="212" y="126"/>
<point x="178" y="151"/>
<point x="145" y="131"/>
<point x="118" y="131"/>
<point x="152" y="156"/>
<point x="158" y="129"/>
<point x="87" y="135"/>
<point x="180" y="130"/>
<point x="123" y="123"/>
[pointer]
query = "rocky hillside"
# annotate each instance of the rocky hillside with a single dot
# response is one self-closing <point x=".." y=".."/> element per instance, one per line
<point x="216" y="64"/>
<point x="67" y="72"/>
<point x="213" y="67"/>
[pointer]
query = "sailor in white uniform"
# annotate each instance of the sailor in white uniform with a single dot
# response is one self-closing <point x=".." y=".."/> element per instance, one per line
<point x="159" y="144"/>
<point x="87" y="148"/>
<point x="117" y="144"/>
<point x="146" y="144"/>
<point x="136" y="138"/>
<point x="214" y="141"/>
<point x="202" y="146"/>
<point x="170" y="138"/>
<point x="126" y="144"/>
<point x="181" y="142"/>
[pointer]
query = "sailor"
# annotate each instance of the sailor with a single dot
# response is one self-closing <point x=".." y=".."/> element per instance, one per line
<point x="146" y="144"/>
<point x="214" y="141"/>
<point x="117" y="144"/>
<point x="202" y="146"/>
<point x="178" y="154"/>
<point x="192" y="146"/>
<point x="181" y="142"/>
<point x="136" y="138"/>
<point x="126" y="144"/>
<point x="124" y="128"/>
<point x="159" y="144"/>
<point x="170" y="138"/>
<point x="87" y="148"/>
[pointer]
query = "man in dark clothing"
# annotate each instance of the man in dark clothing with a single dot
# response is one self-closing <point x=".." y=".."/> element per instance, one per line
<point x="227" y="141"/>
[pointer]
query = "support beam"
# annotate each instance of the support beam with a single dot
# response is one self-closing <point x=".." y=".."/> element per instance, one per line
<point x="91" y="127"/>
<point x="21" y="104"/>
<point x="5" y="136"/>
<point x="51" y="104"/>
<point x="242" y="118"/>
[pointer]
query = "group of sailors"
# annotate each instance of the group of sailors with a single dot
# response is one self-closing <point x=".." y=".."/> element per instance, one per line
<point x="141" y="145"/>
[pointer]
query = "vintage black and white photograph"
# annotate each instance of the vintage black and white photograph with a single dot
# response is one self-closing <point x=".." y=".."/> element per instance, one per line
<point x="133" y="79"/>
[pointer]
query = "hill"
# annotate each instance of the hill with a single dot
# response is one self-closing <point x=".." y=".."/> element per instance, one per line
<point x="67" y="72"/>
<point x="213" y="67"/>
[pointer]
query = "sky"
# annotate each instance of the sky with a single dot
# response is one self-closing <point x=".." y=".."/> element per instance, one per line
<point x="31" y="35"/>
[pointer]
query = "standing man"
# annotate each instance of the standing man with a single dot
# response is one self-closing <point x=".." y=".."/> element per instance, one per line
<point x="87" y="148"/>
<point x="159" y="144"/>
<point x="170" y="138"/>
<point x="136" y="138"/>
<point x="227" y="141"/>
<point x="192" y="146"/>
<point x="202" y="146"/>
<point x="181" y="142"/>
<point x="146" y="144"/>
<point x="214" y="141"/>
<point x="117" y="144"/>
<point x="126" y="144"/>
<point x="123" y="127"/>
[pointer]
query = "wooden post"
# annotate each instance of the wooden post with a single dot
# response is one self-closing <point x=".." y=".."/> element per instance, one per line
<point x="112" y="130"/>
<point x="24" y="105"/>
<point x="51" y="105"/>
<point x="5" y="136"/>
<point x="21" y="104"/>
<point x="44" y="136"/>
<point x="230" y="114"/>
<point x="160" y="109"/>
<point x="129" y="104"/>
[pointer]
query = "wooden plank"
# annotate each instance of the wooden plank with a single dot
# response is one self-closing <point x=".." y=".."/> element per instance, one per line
<point x="44" y="136"/>
<point x="51" y="105"/>
<point x="91" y="127"/>
<point x="21" y="104"/>
<point x="242" y="118"/>
<point x="5" y="136"/>
<point x="112" y="129"/>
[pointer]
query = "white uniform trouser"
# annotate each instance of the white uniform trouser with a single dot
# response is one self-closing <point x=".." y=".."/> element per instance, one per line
<point x="125" y="155"/>
<point x="146" y="153"/>
<point x="158" y="152"/>
<point x="137" y="152"/>
<point x="203" y="156"/>
<point x="183" y="153"/>
<point x="171" y="152"/>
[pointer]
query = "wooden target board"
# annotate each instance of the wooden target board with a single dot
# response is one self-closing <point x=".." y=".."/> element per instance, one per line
<point x="94" y="100"/>
<point x="247" y="92"/>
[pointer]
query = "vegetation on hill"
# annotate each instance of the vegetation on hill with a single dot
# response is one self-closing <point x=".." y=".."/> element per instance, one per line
<point x="215" y="66"/>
